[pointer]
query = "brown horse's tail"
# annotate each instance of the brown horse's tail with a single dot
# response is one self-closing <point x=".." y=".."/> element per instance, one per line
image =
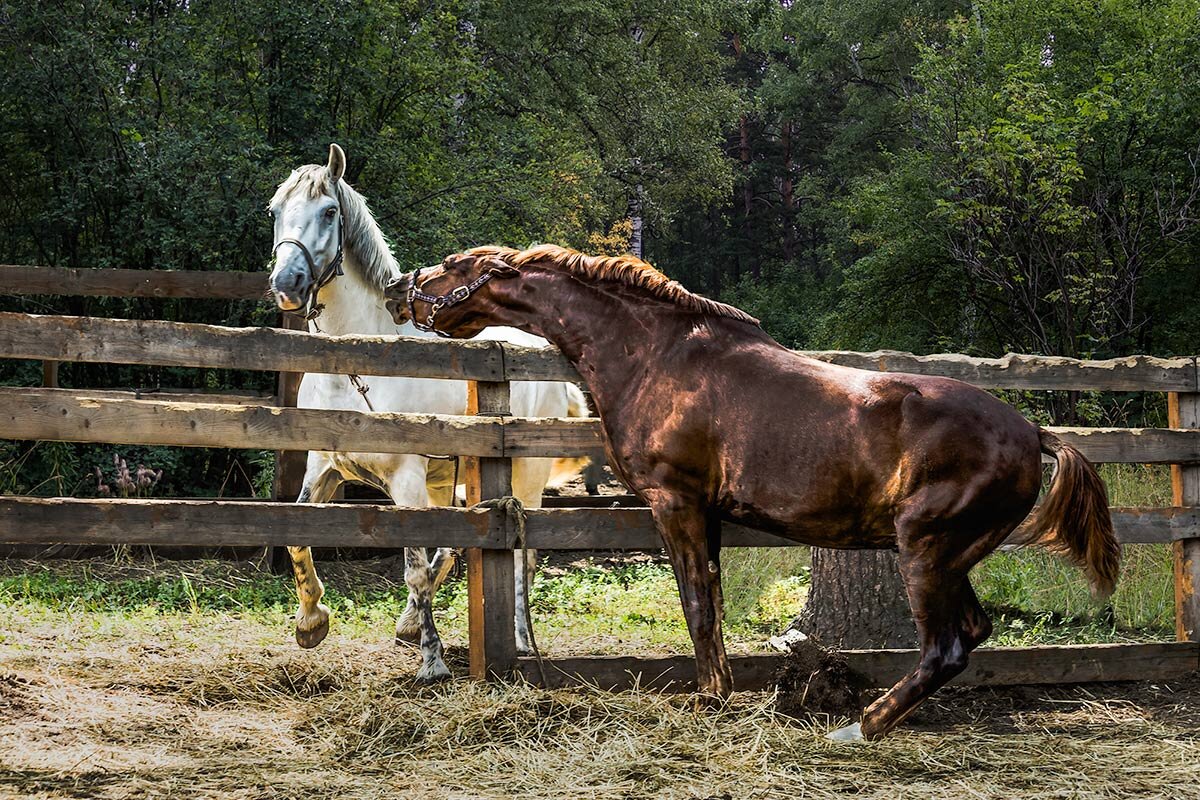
<point x="1073" y="520"/>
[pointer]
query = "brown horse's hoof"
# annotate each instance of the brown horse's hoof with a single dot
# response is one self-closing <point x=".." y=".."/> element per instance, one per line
<point x="850" y="733"/>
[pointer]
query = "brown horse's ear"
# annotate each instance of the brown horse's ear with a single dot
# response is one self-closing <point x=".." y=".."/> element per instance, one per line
<point x="337" y="162"/>
<point x="499" y="267"/>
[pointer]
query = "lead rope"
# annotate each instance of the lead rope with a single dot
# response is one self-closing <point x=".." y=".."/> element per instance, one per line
<point x="514" y="511"/>
<point x="361" y="387"/>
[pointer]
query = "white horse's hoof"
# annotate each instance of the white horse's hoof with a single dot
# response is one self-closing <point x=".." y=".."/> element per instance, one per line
<point x="433" y="672"/>
<point x="850" y="733"/>
<point x="312" y="629"/>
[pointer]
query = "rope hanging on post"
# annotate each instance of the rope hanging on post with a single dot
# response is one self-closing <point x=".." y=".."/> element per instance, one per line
<point x="514" y="511"/>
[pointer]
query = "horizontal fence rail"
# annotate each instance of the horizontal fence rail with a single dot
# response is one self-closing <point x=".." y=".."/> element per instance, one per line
<point x="180" y="344"/>
<point x="185" y="344"/>
<point x="68" y="281"/>
<point x="989" y="666"/>
<point x="251" y="523"/>
<point x="77" y="416"/>
<point x="1013" y="371"/>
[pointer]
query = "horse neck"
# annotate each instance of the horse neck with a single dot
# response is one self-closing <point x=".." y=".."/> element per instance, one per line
<point x="354" y="304"/>
<point x="593" y="327"/>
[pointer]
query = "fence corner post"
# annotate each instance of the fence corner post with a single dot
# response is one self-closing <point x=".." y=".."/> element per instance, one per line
<point x="491" y="596"/>
<point x="1183" y="411"/>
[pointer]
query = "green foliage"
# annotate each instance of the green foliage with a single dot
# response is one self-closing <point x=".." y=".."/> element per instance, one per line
<point x="922" y="175"/>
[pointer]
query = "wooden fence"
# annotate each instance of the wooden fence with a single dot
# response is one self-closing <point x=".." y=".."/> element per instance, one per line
<point x="494" y="437"/>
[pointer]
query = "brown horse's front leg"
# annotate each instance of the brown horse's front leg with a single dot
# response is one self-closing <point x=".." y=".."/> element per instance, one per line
<point x="699" y="578"/>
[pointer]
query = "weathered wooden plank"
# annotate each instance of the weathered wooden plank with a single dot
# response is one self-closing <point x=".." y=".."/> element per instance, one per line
<point x="65" y="416"/>
<point x="1133" y="445"/>
<point x="20" y="279"/>
<point x="537" y="364"/>
<point x="1013" y="371"/>
<point x="1000" y="666"/>
<point x="188" y="344"/>
<point x="1183" y="411"/>
<point x="633" y="528"/>
<point x="1048" y="664"/>
<point x="184" y="344"/>
<point x="166" y="395"/>
<point x="549" y="529"/>
<point x="69" y="415"/>
<point x="526" y="437"/>
<point x="59" y="520"/>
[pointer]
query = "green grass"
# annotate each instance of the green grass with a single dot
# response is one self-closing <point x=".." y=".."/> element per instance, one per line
<point x="1037" y="598"/>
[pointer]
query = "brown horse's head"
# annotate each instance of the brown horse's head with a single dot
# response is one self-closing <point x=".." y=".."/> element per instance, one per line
<point x="455" y="298"/>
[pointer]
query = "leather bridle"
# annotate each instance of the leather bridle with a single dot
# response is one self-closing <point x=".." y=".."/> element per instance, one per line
<point x="310" y="309"/>
<point x="436" y="302"/>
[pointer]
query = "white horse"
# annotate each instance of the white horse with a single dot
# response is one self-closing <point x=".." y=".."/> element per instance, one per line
<point x="321" y="223"/>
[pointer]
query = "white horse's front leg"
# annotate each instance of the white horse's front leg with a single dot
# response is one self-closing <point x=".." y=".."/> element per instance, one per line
<point x="407" y="488"/>
<point x="529" y="479"/>
<point x="312" y="617"/>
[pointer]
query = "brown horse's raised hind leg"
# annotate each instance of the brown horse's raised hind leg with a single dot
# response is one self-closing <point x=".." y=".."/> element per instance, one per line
<point x="975" y="625"/>
<point x="950" y="623"/>
<point x="685" y="535"/>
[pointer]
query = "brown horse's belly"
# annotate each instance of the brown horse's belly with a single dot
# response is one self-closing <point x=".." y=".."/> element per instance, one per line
<point x="842" y="528"/>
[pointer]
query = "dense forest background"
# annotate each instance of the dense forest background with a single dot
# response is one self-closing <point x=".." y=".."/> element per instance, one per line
<point x="980" y="177"/>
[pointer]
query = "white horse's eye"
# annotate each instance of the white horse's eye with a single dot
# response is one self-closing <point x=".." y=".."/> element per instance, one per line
<point x="330" y="212"/>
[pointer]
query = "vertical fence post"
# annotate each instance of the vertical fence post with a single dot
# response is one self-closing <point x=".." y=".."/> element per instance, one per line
<point x="1183" y="411"/>
<point x="50" y="374"/>
<point x="491" y="597"/>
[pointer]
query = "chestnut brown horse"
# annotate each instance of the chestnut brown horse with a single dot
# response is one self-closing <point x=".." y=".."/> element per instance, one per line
<point x="707" y="418"/>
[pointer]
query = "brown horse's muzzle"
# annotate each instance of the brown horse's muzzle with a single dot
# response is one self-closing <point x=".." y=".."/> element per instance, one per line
<point x="396" y="294"/>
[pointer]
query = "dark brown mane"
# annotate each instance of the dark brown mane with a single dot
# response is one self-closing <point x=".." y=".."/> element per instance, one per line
<point x="627" y="270"/>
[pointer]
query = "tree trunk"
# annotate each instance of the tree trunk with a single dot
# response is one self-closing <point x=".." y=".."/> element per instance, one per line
<point x="636" y="223"/>
<point x="857" y="601"/>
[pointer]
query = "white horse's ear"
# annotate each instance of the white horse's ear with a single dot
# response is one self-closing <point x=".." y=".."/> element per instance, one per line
<point x="337" y="162"/>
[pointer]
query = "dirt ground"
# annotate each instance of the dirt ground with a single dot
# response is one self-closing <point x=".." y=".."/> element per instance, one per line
<point x="226" y="707"/>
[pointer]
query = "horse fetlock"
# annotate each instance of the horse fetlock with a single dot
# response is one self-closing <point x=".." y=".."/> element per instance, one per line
<point x="408" y="626"/>
<point x="524" y="640"/>
<point x="312" y="626"/>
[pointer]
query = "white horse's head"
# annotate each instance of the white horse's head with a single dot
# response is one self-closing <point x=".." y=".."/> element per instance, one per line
<point x="309" y="231"/>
